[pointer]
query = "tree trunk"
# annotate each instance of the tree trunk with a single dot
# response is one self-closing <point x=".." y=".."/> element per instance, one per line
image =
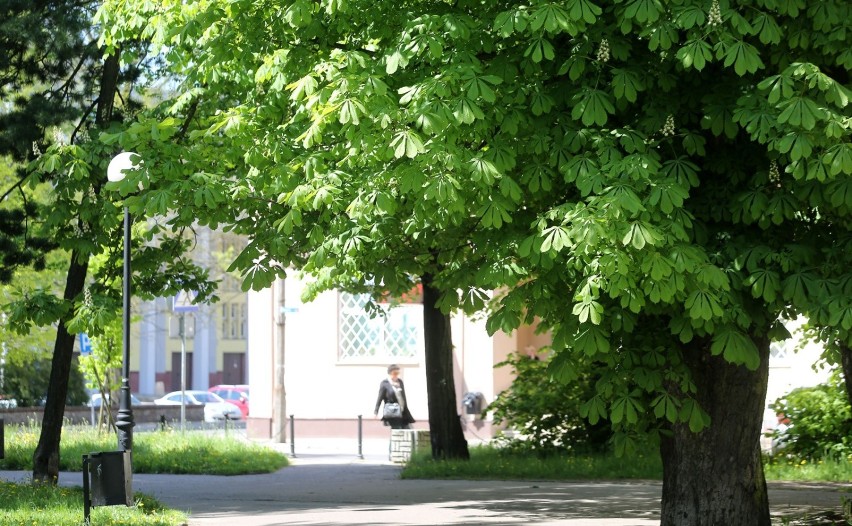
<point x="846" y="365"/>
<point x="716" y="476"/>
<point x="46" y="456"/>
<point x="445" y="429"/>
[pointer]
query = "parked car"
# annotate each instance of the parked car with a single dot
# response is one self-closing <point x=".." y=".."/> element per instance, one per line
<point x="235" y="394"/>
<point x="95" y="400"/>
<point x="215" y="408"/>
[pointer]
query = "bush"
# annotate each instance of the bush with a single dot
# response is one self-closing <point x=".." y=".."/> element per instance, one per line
<point x="545" y="412"/>
<point x="821" y="421"/>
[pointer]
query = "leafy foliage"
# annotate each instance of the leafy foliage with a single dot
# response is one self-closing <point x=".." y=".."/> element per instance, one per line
<point x="821" y="421"/>
<point x="648" y="180"/>
<point x="546" y="412"/>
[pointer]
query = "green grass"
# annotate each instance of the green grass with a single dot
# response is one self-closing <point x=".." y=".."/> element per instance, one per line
<point x="828" y="470"/>
<point x="490" y="463"/>
<point x="191" y="452"/>
<point x="46" y="505"/>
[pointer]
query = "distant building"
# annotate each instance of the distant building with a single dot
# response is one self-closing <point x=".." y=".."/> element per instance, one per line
<point x="335" y="355"/>
<point x="216" y="335"/>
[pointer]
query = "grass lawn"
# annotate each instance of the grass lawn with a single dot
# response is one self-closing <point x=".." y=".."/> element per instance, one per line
<point x="192" y="452"/>
<point x="490" y="463"/>
<point x="45" y="505"/>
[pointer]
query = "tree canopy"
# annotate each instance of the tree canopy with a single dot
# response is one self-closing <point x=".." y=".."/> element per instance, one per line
<point x="655" y="182"/>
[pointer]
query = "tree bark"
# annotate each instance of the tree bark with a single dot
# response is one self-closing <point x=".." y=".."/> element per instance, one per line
<point x="716" y="476"/>
<point x="46" y="455"/>
<point x="846" y="365"/>
<point x="445" y="429"/>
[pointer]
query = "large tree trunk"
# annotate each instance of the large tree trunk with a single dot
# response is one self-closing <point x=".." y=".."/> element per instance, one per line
<point x="444" y="422"/>
<point x="716" y="476"/>
<point x="846" y="365"/>
<point x="46" y="456"/>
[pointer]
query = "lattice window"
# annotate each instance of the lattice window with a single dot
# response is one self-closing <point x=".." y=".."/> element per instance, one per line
<point x="395" y="335"/>
<point x="780" y="350"/>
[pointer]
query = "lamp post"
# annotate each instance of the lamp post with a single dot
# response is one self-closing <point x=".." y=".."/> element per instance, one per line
<point x="124" y="420"/>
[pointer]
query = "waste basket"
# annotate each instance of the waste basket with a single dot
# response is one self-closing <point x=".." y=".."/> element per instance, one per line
<point x="107" y="480"/>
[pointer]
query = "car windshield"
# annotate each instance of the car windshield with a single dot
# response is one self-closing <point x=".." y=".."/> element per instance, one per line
<point x="207" y="398"/>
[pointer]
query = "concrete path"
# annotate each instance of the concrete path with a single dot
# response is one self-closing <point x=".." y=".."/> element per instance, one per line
<point x="329" y="485"/>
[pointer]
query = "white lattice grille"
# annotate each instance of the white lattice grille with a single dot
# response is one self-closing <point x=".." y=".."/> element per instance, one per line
<point x="780" y="350"/>
<point x="395" y="335"/>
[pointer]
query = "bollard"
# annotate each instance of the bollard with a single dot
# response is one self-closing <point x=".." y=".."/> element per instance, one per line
<point x="2" y="439"/>
<point x="292" y="438"/>
<point x="360" y="438"/>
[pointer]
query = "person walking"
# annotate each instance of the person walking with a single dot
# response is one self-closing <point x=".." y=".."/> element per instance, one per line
<point x="395" y="412"/>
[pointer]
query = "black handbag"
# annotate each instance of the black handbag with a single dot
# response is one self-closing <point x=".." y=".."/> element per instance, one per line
<point x="392" y="410"/>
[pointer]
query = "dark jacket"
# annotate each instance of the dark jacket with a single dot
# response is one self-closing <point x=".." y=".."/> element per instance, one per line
<point x="388" y="396"/>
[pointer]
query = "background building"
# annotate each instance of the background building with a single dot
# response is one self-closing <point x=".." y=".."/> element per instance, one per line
<point x="216" y="335"/>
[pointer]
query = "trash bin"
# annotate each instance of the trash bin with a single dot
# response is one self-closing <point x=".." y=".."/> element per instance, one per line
<point x="110" y="478"/>
<point x="472" y="403"/>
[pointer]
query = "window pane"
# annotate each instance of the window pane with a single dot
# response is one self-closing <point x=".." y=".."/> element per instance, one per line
<point x="395" y="335"/>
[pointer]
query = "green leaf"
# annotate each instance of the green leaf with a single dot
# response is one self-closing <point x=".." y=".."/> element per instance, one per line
<point x="583" y="10"/>
<point x="839" y="159"/>
<point x="644" y="11"/>
<point x="626" y="84"/>
<point x="736" y="347"/>
<point x="703" y="305"/>
<point x="551" y="17"/>
<point x="666" y="406"/>
<point x="588" y="310"/>
<point x="509" y="22"/>
<point x="801" y="111"/>
<point x="695" y="53"/>
<point x="592" y="339"/>
<point x="743" y="56"/>
<point x="692" y="413"/>
<point x="467" y="111"/>
<point x="594" y="410"/>
<point x="765" y="284"/>
<point x="690" y="16"/>
<point x="407" y="143"/>
<point x="395" y="61"/>
<point x="539" y="49"/>
<point x="302" y="88"/>
<point x="555" y="238"/>
<point x="592" y="107"/>
<point x="639" y="234"/>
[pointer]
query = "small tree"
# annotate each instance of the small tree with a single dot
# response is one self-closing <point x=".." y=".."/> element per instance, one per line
<point x="102" y="370"/>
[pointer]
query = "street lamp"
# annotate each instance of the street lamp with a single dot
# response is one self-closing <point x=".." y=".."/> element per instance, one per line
<point x="116" y="171"/>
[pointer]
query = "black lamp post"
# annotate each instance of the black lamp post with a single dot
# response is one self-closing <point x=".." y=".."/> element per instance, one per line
<point x="124" y="420"/>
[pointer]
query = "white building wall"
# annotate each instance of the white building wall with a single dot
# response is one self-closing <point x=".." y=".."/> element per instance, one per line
<point x="261" y="315"/>
<point x="794" y="369"/>
<point x="319" y="385"/>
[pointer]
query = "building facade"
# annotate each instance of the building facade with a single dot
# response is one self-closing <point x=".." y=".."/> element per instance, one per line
<point x="214" y="337"/>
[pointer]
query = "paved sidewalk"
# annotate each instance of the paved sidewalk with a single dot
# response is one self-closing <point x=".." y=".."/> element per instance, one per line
<point x="329" y="485"/>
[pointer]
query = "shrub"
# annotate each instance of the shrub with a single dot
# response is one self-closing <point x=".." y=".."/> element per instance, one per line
<point x="545" y="413"/>
<point x="821" y="421"/>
